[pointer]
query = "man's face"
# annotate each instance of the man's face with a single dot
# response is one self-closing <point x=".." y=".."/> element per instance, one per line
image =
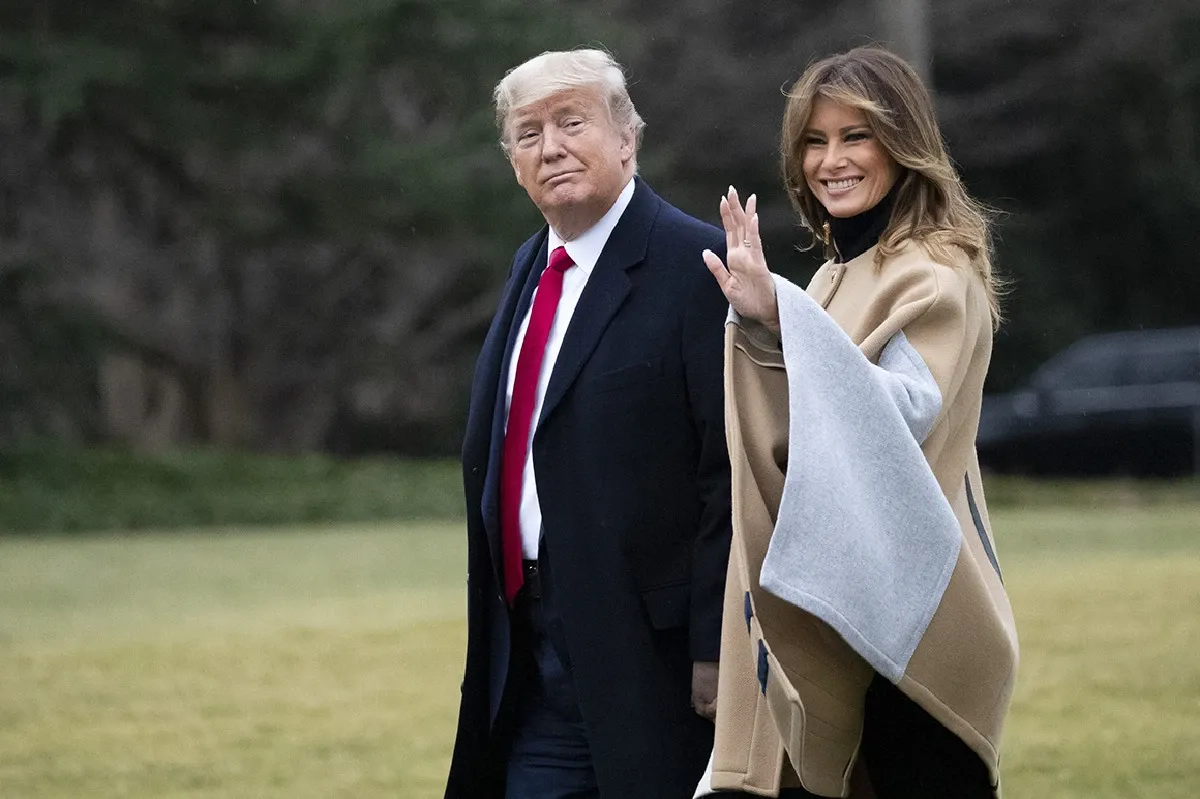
<point x="570" y="157"/>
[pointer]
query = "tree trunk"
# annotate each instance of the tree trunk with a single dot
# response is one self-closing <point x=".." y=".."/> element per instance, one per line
<point x="905" y="29"/>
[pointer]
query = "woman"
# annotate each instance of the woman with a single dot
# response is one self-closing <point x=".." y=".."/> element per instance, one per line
<point x="867" y="642"/>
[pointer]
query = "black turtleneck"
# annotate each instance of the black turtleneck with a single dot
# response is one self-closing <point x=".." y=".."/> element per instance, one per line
<point x="855" y="235"/>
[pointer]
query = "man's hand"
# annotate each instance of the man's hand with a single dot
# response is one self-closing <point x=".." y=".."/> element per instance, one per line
<point x="704" y="689"/>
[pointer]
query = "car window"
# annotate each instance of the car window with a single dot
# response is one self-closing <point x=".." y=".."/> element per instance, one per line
<point x="1086" y="367"/>
<point x="1166" y="366"/>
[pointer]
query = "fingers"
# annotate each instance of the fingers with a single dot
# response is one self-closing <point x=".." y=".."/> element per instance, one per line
<point x="738" y="215"/>
<point x="741" y="224"/>
<point x="731" y="232"/>
<point x="741" y="230"/>
<point x="717" y="268"/>
<point x="750" y="232"/>
<point x="705" y="678"/>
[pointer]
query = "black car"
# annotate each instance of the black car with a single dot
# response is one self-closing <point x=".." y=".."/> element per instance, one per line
<point x="1113" y="403"/>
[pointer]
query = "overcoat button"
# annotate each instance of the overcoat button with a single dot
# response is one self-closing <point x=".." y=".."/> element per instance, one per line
<point x="474" y="470"/>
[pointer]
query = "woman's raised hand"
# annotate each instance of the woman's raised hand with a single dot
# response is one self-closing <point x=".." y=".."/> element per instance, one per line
<point x="747" y="282"/>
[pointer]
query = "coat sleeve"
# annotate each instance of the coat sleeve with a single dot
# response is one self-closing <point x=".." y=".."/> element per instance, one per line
<point x="923" y="347"/>
<point x="703" y="358"/>
<point x="864" y="538"/>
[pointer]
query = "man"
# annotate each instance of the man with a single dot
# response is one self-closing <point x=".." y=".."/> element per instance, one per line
<point x="595" y="469"/>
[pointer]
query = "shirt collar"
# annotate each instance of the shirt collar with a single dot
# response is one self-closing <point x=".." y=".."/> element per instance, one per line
<point x="586" y="248"/>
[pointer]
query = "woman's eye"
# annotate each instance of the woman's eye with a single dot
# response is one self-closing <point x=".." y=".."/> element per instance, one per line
<point x="813" y="141"/>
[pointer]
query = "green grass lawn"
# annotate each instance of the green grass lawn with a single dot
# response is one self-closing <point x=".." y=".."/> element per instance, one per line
<point x="325" y="662"/>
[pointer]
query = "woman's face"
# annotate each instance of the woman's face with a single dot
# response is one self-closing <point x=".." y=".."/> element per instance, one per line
<point x="846" y="167"/>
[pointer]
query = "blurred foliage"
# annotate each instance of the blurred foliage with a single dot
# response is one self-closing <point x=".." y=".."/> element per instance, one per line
<point x="288" y="220"/>
<point x="282" y="225"/>
<point x="45" y="354"/>
<point x="1100" y="234"/>
<point x="51" y="489"/>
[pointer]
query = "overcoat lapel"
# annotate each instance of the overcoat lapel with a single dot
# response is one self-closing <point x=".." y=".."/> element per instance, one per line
<point x="513" y="308"/>
<point x="604" y="294"/>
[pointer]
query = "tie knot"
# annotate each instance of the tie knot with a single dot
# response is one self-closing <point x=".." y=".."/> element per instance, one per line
<point x="559" y="260"/>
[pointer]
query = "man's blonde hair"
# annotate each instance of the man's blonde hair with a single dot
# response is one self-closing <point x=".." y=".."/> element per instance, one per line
<point x="556" y="71"/>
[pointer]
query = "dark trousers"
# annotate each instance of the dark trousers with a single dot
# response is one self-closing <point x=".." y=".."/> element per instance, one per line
<point x="909" y="755"/>
<point x="784" y="793"/>
<point x="548" y="757"/>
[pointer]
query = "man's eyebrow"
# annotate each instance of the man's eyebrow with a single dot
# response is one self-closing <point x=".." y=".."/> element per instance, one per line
<point x="567" y="107"/>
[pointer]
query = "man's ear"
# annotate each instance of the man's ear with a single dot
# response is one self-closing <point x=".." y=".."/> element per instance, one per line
<point x="517" y="172"/>
<point x="628" y="145"/>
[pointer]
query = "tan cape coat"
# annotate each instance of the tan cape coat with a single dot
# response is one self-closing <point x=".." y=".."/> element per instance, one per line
<point x="792" y="690"/>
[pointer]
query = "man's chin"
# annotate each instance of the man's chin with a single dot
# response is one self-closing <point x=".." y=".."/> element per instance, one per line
<point x="563" y="202"/>
<point x="564" y="194"/>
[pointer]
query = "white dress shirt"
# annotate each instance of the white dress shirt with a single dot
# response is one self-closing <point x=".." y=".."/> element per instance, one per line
<point x="584" y="251"/>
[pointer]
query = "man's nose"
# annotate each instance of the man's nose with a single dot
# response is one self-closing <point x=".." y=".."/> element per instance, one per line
<point x="552" y="143"/>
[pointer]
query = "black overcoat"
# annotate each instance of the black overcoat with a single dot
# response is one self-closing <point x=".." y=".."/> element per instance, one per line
<point x="633" y="481"/>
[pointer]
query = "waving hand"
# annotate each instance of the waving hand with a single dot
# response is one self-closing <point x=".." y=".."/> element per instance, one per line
<point x="746" y="282"/>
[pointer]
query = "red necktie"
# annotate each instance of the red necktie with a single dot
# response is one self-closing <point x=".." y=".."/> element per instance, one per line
<point x="520" y="416"/>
